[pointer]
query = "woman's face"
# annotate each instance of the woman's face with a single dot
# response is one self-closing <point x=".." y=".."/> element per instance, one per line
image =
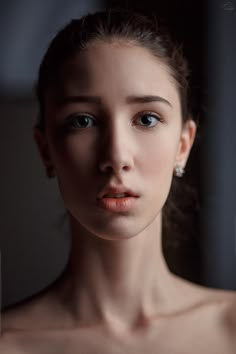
<point x="114" y="119"/>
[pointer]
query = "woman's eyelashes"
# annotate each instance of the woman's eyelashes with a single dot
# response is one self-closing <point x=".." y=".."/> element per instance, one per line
<point x="150" y="118"/>
<point x="79" y="121"/>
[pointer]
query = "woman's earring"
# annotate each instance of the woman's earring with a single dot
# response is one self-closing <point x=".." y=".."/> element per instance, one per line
<point x="179" y="171"/>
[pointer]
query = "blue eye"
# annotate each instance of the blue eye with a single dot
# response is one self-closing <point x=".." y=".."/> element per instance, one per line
<point x="149" y="118"/>
<point x="79" y="121"/>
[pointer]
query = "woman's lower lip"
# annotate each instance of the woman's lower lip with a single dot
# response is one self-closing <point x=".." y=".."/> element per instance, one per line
<point x="117" y="204"/>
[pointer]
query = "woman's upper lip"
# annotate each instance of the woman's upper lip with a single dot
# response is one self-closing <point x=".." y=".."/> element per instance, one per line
<point x="112" y="189"/>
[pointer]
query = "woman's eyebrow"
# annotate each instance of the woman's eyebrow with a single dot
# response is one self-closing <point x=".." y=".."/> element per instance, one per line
<point x="146" y="99"/>
<point x="97" y="100"/>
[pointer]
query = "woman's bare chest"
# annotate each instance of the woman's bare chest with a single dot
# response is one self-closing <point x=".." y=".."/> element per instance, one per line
<point x="176" y="338"/>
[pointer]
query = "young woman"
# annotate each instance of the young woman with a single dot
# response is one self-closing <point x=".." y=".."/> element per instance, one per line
<point x="115" y="130"/>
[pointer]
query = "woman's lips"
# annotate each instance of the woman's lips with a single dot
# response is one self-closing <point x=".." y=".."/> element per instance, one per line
<point x="122" y="204"/>
<point x="115" y="189"/>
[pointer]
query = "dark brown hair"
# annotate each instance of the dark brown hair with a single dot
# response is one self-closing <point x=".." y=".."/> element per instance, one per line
<point x="145" y="31"/>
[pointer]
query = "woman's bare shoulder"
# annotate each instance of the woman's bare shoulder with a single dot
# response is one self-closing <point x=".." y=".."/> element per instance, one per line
<point x="226" y="315"/>
<point x="21" y="315"/>
<point x="209" y="297"/>
<point x="212" y="313"/>
<point x="224" y="301"/>
<point x="36" y="311"/>
<point x="219" y="304"/>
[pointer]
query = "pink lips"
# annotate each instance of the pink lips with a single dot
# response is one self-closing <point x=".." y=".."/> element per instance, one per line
<point x="122" y="204"/>
<point x="106" y="199"/>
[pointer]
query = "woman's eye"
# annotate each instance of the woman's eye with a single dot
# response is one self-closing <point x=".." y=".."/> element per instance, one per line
<point x="149" y="119"/>
<point x="79" y="121"/>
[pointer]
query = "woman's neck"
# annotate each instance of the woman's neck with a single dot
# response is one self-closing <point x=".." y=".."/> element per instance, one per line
<point x="123" y="283"/>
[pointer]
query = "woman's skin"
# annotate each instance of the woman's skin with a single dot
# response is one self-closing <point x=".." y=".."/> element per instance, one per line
<point x="117" y="294"/>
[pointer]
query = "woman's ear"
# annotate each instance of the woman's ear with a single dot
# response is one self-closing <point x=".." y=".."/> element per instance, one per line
<point x="42" y="143"/>
<point x="186" y="141"/>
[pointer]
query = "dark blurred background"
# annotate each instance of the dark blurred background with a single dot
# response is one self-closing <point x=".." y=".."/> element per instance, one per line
<point x="34" y="238"/>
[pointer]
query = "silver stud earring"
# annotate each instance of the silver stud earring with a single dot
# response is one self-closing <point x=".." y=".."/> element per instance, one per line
<point x="179" y="171"/>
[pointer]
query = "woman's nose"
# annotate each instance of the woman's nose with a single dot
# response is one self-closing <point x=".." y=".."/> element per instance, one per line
<point x="115" y="154"/>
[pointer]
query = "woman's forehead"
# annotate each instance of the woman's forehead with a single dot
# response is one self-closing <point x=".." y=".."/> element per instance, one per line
<point x="106" y="67"/>
<point x="126" y="57"/>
